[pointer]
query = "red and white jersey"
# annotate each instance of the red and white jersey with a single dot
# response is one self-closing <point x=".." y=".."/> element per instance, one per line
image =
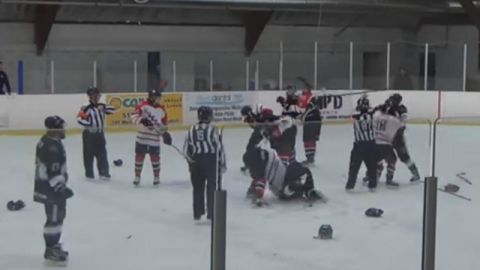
<point x="305" y="99"/>
<point x="157" y="115"/>
<point x="386" y="127"/>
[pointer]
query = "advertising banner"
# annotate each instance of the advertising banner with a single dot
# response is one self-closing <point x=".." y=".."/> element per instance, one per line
<point x="226" y="105"/>
<point x="336" y="105"/>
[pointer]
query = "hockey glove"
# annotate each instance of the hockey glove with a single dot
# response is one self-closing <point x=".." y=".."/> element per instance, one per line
<point x="281" y="100"/>
<point x="167" y="138"/>
<point x="146" y="122"/>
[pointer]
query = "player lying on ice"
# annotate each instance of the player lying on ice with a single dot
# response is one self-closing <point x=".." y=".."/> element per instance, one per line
<point x="287" y="180"/>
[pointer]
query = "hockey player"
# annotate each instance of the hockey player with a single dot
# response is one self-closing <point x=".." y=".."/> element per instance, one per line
<point x="151" y="118"/>
<point x="255" y="120"/>
<point x="290" y="103"/>
<point x="51" y="186"/>
<point x="283" y="138"/>
<point x="92" y="118"/>
<point x="386" y="126"/>
<point x="287" y="182"/>
<point x="271" y="132"/>
<point x="364" y="149"/>
<point x="203" y="144"/>
<point x="312" y="124"/>
<point x="399" y="142"/>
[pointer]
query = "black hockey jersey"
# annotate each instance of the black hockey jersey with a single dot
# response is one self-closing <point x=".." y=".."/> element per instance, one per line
<point x="50" y="170"/>
<point x="312" y="111"/>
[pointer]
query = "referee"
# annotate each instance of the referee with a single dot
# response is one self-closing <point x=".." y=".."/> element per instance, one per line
<point x="364" y="146"/>
<point x="92" y="118"/>
<point x="203" y="144"/>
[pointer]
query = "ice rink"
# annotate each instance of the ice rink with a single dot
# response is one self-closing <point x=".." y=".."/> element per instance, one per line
<point x="112" y="225"/>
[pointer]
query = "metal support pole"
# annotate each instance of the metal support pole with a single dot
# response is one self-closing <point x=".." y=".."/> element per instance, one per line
<point x="280" y="69"/>
<point x="351" y="67"/>
<point x="425" y="79"/>
<point x="219" y="223"/>
<point x="430" y="208"/>
<point x="94" y="73"/>
<point x="211" y="75"/>
<point x="135" y="76"/>
<point x="388" y="66"/>
<point x="174" y="80"/>
<point x="247" y="75"/>
<point x="429" y="223"/>
<point x="315" y="66"/>
<point x="465" y="54"/>
<point x="52" y="76"/>
<point x="257" y="75"/>
<point x="219" y="230"/>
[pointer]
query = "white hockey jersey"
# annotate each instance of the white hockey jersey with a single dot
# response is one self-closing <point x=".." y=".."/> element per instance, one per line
<point x="386" y="127"/>
<point x="157" y="116"/>
<point x="275" y="172"/>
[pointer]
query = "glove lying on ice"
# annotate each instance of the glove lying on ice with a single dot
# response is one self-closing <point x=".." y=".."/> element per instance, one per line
<point x="15" y="206"/>
<point x="167" y="138"/>
<point x="451" y="188"/>
<point x="374" y="212"/>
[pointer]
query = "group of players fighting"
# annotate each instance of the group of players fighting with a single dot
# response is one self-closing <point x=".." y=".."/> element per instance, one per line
<point x="379" y="134"/>
<point x="269" y="157"/>
<point x="379" y="137"/>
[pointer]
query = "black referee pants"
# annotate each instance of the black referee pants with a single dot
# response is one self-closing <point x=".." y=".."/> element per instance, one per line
<point x="94" y="146"/>
<point x="203" y="173"/>
<point x="363" y="152"/>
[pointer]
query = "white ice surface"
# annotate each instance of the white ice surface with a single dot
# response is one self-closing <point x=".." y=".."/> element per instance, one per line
<point x="112" y="225"/>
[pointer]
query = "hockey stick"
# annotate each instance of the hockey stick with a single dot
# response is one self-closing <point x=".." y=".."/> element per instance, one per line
<point x="456" y="195"/>
<point x="187" y="158"/>
<point x="462" y="177"/>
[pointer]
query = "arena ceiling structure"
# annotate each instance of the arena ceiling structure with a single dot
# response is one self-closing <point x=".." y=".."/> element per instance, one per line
<point x="254" y="15"/>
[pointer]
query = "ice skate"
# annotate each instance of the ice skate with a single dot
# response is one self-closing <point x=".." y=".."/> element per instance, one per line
<point x="392" y="184"/>
<point x="105" y="177"/>
<point x="55" y="254"/>
<point x="156" y="181"/>
<point x="415" y="179"/>
<point x="136" y="181"/>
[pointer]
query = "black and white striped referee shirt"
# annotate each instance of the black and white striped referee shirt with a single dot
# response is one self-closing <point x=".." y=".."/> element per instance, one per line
<point x="203" y="139"/>
<point x="363" y="127"/>
<point x="92" y="116"/>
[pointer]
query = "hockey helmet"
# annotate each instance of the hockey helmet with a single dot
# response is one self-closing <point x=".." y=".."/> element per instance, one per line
<point x="55" y="126"/>
<point x="154" y="95"/>
<point x="395" y="100"/>
<point x="363" y="104"/>
<point x="246" y="111"/>
<point x="92" y="91"/>
<point x="205" y="114"/>
<point x="325" y="231"/>
<point x="118" y="162"/>
<point x="374" y="212"/>
<point x="54" y="122"/>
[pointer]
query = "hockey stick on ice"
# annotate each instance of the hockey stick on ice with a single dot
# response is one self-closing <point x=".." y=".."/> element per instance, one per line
<point x="462" y="177"/>
<point x="187" y="158"/>
<point x="456" y="195"/>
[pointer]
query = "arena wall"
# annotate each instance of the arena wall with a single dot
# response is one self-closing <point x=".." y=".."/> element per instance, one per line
<point x="25" y="114"/>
